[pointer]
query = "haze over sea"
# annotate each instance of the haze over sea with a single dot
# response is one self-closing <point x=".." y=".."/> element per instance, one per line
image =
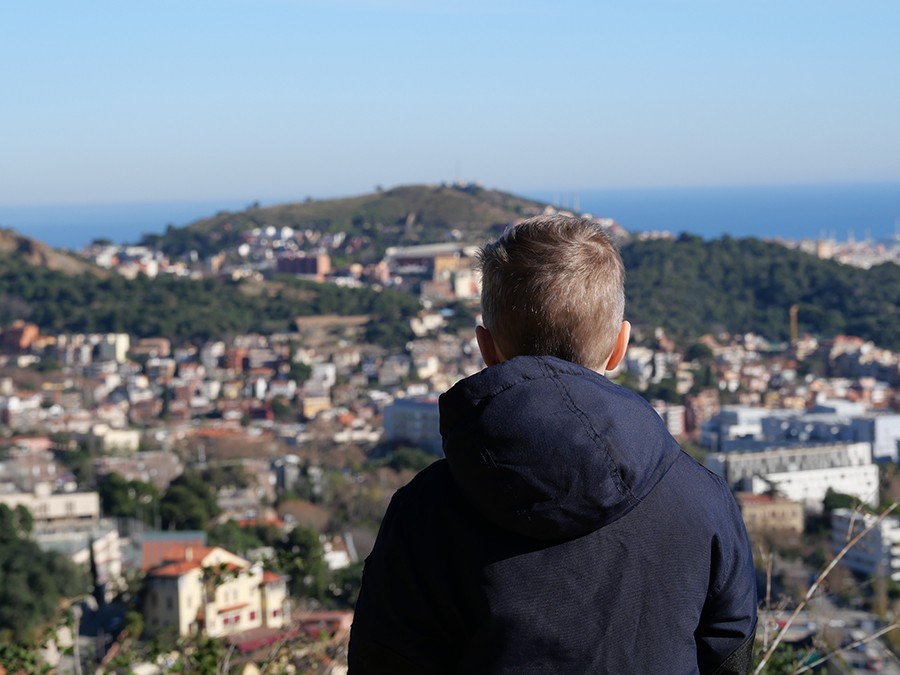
<point x="858" y="211"/>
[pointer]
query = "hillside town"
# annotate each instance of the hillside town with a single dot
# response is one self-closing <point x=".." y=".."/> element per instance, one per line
<point x="303" y="429"/>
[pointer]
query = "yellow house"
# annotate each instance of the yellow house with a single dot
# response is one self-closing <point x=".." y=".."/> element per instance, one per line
<point x="209" y="590"/>
<point x="767" y="513"/>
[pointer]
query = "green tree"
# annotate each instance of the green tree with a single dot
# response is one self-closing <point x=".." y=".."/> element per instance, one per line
<point x="32" y="582"/>
<point x="283" y="410"/>
<point x="232" y="537"/>
<point x="121" y="498"/>
<point x="301" y="556"/>
<point x="406" y="457"/>
<point x="838" y="500"/>
<point x="189" y="503"/>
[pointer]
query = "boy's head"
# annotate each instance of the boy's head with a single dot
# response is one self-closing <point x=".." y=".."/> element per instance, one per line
<point x="553" y="285"/>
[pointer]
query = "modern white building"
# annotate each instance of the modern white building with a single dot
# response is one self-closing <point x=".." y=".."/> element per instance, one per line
<point x="48" y="507"/>
<point x="75" y="542"/>
<point x="672" y="415"/>
<point x="802" y="473"/>
<point x="882" y="431"/>
<point x="810" y="487"/>
<point x="114" y="347"/>
<point x="878" y="552"/>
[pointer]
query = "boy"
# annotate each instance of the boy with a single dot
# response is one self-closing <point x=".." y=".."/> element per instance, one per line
<point x="565" y="531"/>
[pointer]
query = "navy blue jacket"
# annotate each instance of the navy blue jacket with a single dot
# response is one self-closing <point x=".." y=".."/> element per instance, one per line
<point x="565" y="532"/>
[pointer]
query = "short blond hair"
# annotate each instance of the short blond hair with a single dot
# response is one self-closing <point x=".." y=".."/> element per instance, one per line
<point x="554" y="285"/>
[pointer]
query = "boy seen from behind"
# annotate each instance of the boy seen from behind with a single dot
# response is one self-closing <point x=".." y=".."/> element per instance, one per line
<point x="565" y="531"/>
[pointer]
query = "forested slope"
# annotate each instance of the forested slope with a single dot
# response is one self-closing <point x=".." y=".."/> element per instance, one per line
<point x="690" y="286"/>
<point x="179" y="308"/>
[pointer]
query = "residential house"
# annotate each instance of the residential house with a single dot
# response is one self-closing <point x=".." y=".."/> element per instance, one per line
<point x="212" y="591"/>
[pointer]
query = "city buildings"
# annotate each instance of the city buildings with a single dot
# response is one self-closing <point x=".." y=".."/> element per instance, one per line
<point x="878" y="552"/>
<point x="802" y="473"/>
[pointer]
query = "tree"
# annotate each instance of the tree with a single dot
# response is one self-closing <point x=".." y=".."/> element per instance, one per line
<point x="283" y="410"/>
<point x="406" y="457"/>
<point x="189" y="503"/>
<point x="300" y="555"/>
<point x="838" y="500"/>
<point x="122" y="498"/>
<point x="699" y="352"/>
<point x="32" y="581"/>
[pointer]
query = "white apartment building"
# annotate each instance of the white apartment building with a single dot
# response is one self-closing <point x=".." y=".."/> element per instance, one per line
<point x="75" y="542"/>
<point x="49" y="508"/>
<point x="672" y="415"/>
<point x="878" y="552"/>
<point x="114" y="347"/>
<point x="802" y="473"/>
<point x="882" y="431"/>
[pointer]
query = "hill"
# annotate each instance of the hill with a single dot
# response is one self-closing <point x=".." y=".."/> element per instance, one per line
<point x="686" y="286"/>
<point x="412" y="214"/>
<point x="185" y="309"/>
<point x="690" y="286"/>
<point x="40" y="255"/>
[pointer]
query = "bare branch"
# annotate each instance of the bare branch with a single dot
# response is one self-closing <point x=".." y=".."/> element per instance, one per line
<point x="868" y="638"/>
<point x="815" y="585"/>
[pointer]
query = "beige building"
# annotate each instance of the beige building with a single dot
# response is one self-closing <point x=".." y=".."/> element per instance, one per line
<point x="105" y="439"/>
<point x="768" y="513"/>
<point x="312" y="402"/>
<point x="55" y="508"/>
<point x="209" y="590"/>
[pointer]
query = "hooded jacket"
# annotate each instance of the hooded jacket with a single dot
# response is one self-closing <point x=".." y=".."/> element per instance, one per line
<point x="564" y="532"/>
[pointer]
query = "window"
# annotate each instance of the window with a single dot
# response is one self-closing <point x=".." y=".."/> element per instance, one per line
<point x="252" y="616"/>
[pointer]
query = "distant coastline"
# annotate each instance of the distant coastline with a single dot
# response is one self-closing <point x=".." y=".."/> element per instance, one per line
<point x="840" y="212"/>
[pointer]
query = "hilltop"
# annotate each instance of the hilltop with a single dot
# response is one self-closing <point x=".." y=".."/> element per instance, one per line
<point x="686" y="286"/>
<point x="38" y="254"/>
<point x="405" y="215"/>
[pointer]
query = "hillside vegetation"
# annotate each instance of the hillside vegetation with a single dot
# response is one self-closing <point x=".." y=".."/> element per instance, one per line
<point x="184" y="309"/>
<point x="688" y="287"/>
<point x="406" y="215"/>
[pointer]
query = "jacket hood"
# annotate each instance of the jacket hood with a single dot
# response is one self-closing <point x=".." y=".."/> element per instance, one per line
<point x="550" y="450"/>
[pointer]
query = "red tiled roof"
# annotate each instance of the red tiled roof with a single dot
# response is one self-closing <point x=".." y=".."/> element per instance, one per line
<point x="271" y="577"/>
<point x="251" y="522"/>
<point x="175" y="569"/>
<point x="157" y="551"/>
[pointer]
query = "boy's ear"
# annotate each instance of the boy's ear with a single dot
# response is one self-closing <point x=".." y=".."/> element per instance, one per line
<point x="620" y="347"/>
<point x="489" y="351"/>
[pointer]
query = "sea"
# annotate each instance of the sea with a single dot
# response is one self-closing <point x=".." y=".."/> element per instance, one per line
<point x="859" y="211"/>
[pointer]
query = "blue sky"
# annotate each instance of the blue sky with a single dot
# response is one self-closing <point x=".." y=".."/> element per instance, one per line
<point x="111" y="101"/>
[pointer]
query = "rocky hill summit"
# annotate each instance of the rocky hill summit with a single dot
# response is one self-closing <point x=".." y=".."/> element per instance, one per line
<point x="400" y="216"/>
<point x="39" y="254"/>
